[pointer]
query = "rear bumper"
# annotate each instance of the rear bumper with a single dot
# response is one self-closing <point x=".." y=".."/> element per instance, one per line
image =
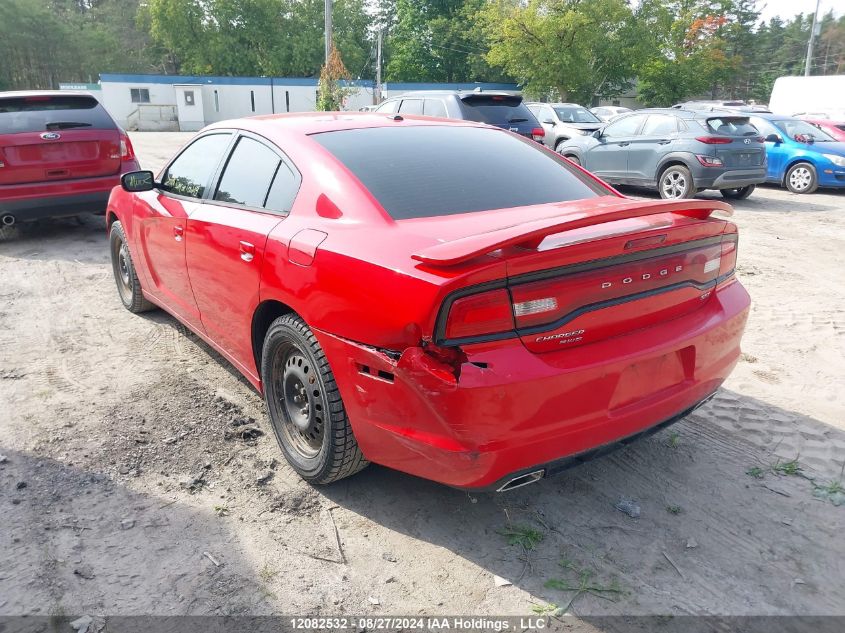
<point x="513" y="411"/>
<point x="34" y="201"/>
<point x="732" y="179"/>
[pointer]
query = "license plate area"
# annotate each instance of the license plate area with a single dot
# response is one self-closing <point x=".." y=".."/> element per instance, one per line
<point x="653" y="377"/>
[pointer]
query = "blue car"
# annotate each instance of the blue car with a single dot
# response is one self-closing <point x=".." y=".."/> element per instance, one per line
<point x="801" y="157"/>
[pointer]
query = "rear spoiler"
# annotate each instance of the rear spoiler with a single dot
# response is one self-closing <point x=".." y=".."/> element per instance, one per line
<point x="529" y="234"/>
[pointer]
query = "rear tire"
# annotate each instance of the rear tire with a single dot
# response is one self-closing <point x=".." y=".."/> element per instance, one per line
<point x="128" y="285"/>
<point x="304" y="404"/>
<point x="675" y="182"/>
<point x="574" y="159"/>
<point x="738" y="194"/>
<point x="802" y="178"/>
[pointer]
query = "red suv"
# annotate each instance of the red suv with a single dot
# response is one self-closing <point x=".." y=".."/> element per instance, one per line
<point x="60" y="154"/>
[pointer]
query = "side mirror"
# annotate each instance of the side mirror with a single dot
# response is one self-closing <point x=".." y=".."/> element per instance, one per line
<point x="136" y="181"/>
<point x="597" y="134"/>
<point x="774" y="138"/>
<point x="548" y="122"/>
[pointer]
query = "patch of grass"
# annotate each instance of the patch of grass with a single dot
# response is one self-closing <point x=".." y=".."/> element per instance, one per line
<point x="221" y="511"/>
<point x="674" y="509"/>
<point x="756" y="472"/>
<point x="267" y="573"/>
<point x="581" y="582"/>
<point x="546" y="609"/>
<point x="791" y="467"/>
<point x="526" y="537"/>
<point x="673" y="440"/>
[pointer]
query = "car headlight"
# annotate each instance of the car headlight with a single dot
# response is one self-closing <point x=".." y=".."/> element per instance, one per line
<point x="837" y="160"/>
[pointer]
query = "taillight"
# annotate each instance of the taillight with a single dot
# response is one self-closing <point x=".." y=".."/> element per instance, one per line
<point x="714" y="140"/>
<point x="538" y="134"/>
<point x="728" y="257"/>
<point x="709" y="161"/>
<point x="476" y="315"/>
<point x="127" y="152"/>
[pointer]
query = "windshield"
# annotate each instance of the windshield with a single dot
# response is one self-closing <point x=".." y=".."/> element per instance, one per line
<point x="432" y="171"/>
<point x="799" y="130"/>
<point x="575" y="114"/>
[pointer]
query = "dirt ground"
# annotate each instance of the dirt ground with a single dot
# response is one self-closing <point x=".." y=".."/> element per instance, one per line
<point x="129" y="486"/>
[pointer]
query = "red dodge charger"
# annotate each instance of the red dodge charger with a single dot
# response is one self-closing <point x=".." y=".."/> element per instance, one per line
<point x="441" y="297"/>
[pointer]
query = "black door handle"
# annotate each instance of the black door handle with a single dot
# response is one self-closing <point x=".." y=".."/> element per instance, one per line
<point x="624" y="144"/>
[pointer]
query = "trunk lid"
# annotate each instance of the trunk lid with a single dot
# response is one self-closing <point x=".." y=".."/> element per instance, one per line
<point x="56" y="137"/>
<point x="593" y="274"/>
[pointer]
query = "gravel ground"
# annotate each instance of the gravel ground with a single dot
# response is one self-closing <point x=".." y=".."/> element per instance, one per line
<point x="139" y="475"/>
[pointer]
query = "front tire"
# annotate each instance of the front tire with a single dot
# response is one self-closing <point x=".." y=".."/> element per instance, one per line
<point x="676" y="182"/>
<point x="304" y="404"/>
<point x="802" y="178"/>
<point x="738" y="194"/>
<point x="128" y="284"/>
<point x="574" y="159"/>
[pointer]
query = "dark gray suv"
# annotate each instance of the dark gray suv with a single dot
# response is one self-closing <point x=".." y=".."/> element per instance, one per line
<point x="501" y="109"/>
<point x="678" y="152"/>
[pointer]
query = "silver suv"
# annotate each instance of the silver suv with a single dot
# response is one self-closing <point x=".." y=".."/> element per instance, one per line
<point x="563" y="121"/>
<point x="678" y="152"/>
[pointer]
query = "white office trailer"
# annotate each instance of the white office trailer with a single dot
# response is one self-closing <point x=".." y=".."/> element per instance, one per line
<point x="171" y="102"/>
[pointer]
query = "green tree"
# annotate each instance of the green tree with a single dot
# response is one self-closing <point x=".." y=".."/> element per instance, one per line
<point x="438" y="40"/>
<point x="566" y="49"/>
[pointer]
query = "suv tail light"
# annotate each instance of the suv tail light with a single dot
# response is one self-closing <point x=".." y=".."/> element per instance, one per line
<point x="728" y="258"/>
<point x="127" y="152"/>
<point x="538" y="134"/>
<point x="714" y="140"/>
<point x="484" y="313"/>
<point x="709" y="161"/>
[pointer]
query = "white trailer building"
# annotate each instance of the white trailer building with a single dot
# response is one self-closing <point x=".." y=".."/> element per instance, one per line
<point x="188" y="103"/>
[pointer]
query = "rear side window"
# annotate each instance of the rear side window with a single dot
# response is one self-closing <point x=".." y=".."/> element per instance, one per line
<point x="496" y="109"/>
<point x="626" y="126"/>
<point x="191" y="172"/>
<point x="731" y="126"/>
<point x="248" y="174"/>
<point x="43" y="113"/>
<point x="434" y="171"/>
<point x="435" y="107"/>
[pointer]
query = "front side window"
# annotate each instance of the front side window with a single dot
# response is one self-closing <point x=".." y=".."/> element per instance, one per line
<point x="192" y="170"/>
<point x="445" y="170"/>
<point x="627" y="126"/>
<point x="388" y="107"/>
<point x="248" y="174"/>
<point x="139" y="95"/>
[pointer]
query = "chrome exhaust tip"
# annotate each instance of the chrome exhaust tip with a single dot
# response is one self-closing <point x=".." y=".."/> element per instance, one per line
<point x="8" y="220"/>
<point x="522" y="480"/>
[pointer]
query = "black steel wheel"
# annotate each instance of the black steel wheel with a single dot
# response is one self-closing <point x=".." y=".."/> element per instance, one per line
<point x="304" y="404"/>
<point x="128" y="285"/>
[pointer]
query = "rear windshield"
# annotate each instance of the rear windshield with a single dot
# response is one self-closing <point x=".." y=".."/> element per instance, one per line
<point x="497" y="110"/>
<point x="47" y="113"/>
<point x="732" y="126"/>
<point x="429" y="171"/>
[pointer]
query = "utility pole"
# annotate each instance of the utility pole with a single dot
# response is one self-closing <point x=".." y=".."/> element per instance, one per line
<point x="328" y="29"/>
<point x="812" y="39"/>
<point x="377" y="94"/>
